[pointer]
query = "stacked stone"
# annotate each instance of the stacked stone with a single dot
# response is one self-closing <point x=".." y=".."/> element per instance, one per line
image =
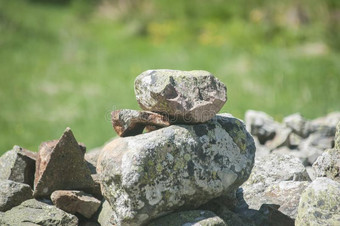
<point x="170" y="97"/>
<point x="192" y="156"/>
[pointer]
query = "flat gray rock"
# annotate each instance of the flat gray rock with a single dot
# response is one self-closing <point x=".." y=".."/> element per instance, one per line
<point x="13" y="193"/>
<point x="106" y="215"/>
<point x="180" y="166"/>
<point x="187" y="97"/>
<point x="18" y="165"/>
<point x="320" y="203"/>
<point x="34" y="212"/>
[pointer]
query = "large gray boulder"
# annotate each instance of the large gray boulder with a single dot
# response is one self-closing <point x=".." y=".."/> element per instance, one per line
<point x="34" y="212"/>
<point x="320" y="203"/>
<point x="270" y="170"/>
<point x="180" y="166"/>
<point x="13" y="193"/>
<point x="18" y="165"/>
<point x="185" y="96"/>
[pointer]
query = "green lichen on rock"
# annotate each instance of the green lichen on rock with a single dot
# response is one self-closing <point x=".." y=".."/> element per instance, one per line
<point x="180" y="166"/>
<point x="320" y="203"/>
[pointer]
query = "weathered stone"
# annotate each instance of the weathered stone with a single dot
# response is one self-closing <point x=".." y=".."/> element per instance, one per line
<point x="272" y="216"/>
<point x="106" y="215"/>
<point x="281" y="139"/>
<point x="269" y="170"/>
<point x="261" y="125"/>
<point x="337" y="137"/>
<point x="185" y="96"/>
<point x="188" y="218"/>
<point x="311" y="148"/>
<point x="181" y="166"/>
<point x="286" y="194"/>
<point x="298" y="124"/>
<point x="331" y="120"/>
<point x="294" y="140"/>
<point x="75" y="202"/>
<point x="91" y="157"/>
<point x="34" y="212"/>
<point x="320" y="203"/>
<point x="61" y="166"/>
<point x="328" y="165"/>
<point x="13" y="193"/>
<point x="131" y="122"/>
<point x="311" y="172"/>
<point x="18" y="165"/>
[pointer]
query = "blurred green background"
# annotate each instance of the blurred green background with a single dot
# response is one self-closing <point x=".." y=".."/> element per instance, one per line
<point x="70" y="63"/>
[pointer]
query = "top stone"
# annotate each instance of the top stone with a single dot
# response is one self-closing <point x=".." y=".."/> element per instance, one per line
<point x="184" y="96"/>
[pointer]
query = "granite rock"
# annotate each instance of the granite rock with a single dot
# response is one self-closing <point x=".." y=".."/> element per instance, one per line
<point x="13" y="193"/>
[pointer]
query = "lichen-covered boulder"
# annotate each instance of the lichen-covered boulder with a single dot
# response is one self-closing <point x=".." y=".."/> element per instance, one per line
<point x="184" y="96"/>
<point x="34" y="212"/>
<point x="188" y="218"/>
<point x="328" y="165"/>
<point x="320" y="203"/>
<point x="180" y="166"/>
<point x="13" y="193"/>
<point x="267" y="171"/>
<point x="18" y="165"/>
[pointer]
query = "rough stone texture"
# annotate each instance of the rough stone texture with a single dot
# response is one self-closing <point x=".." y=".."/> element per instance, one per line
<point x="286" y="194"/>
<point x="312" y="147"/>
<point x="91" y="157"/>
<point x="267" y="171"/>
<point x="189" y="218"/>
<point x="328" y="165"/>
<point x="18" y="165"/>
<point x="320" y="203"/>
<point x="185" y="96"/>
<point x="272" y="216"/>
<point x="131" y="122"/>
<point x="61" y="166"/>
<point x="281" y="139"/>
<point x="311" y="172"/>
<point x="34" y="212"/>
<point x="261" y="125"/>
<point x="331" y="120"/>
<point x="298" y="124"/>
<point x="175" y="167"/>
<point x="106" y="215"/>
<point x="337" y="137"/>
<point x="13" y="193"/>
<point x="75" y="202"/>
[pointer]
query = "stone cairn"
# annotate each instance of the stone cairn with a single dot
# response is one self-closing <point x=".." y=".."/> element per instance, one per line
<point x="176" y="162"/>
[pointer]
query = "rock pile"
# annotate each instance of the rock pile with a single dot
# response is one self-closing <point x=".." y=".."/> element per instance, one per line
<point x="178" y="162"/>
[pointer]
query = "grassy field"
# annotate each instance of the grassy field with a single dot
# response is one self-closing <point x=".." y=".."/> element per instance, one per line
<point x="72" y="64"/>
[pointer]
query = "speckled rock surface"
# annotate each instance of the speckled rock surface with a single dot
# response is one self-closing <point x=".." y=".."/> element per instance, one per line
<point x="61" y="166"/>
<point x="33" y="212"/>
<point x="75" y="202"/>
<point x="13" y="193"/>
<point x="267" y="171"/>
<point x="286" y="194"/>
<point x="106" y="215"/>
<point x="189" y="218"/>
<point x="320" y="203"/>
<point x="18" y="165"/>
<point x="128" y="122"/>
<point x="185" y="96"/>
<point x="175" y="167"/>
<point x="328" y="165"/>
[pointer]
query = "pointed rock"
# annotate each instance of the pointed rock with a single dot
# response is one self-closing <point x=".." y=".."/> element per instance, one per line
<point x="61" y="165"/>
<point x="18" y="165"/>
<point x="131" y="122"/>
<point x="75" y="202"/>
